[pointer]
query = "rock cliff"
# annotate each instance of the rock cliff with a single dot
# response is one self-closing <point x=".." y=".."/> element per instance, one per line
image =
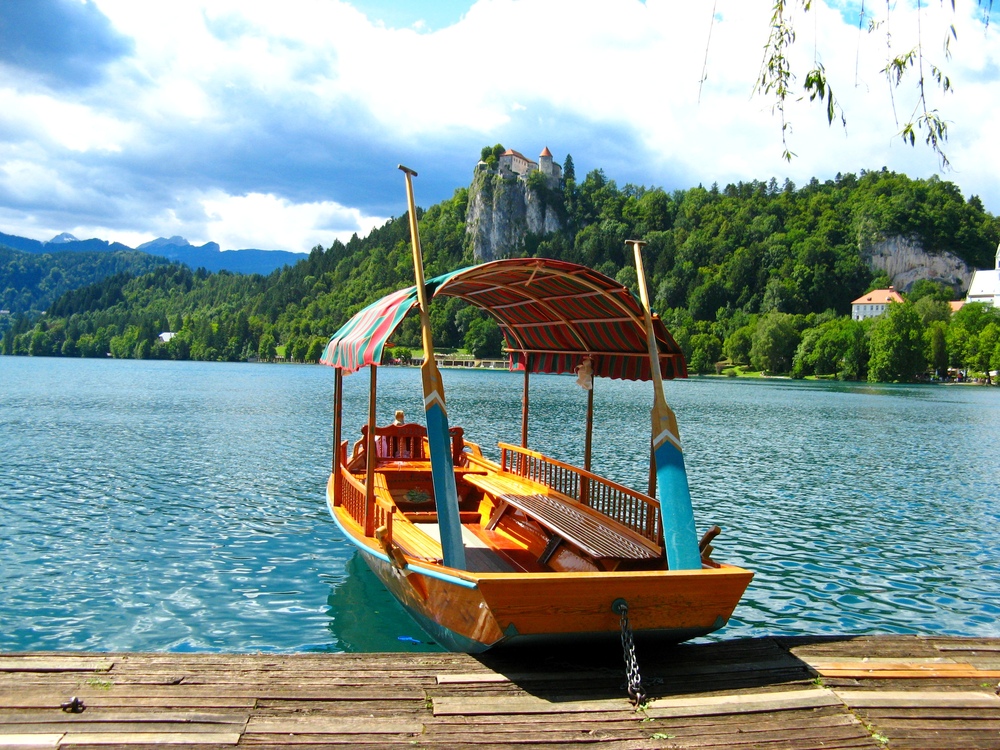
<point x="905" y="261"/>
<point x="502" y="211"/>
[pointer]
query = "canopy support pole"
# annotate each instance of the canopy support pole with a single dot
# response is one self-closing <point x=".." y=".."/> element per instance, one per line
<point x="371" y="457"/>
<point x="524" y="402"/>
<point x="438" y="437"/>
<point x="588" y="443"/>
<point x="680" y="541"/>
<point x="338" y="405"/>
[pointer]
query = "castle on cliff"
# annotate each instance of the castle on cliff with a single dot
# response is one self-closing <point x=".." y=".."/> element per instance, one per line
<point x="512" y="163"/>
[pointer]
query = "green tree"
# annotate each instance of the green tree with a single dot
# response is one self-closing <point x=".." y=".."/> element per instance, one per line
<point x="484" y="339"/>
<point x="936" y="346"/>
<point x="267" y="350"/>
<point x="706" y="350"/>
<point x="897" y="346"/>
<point x="774" y="341"/>
<point x="738" y="344"/>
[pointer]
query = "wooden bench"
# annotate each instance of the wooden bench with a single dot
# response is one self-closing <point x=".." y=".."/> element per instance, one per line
<point x="415" y="542"/>
<point x="600" y="537"/>
<point x="404" y="442"/>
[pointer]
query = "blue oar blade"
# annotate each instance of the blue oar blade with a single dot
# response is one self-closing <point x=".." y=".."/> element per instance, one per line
<point x="680" y="540"/>
<point x="443" y="470"/>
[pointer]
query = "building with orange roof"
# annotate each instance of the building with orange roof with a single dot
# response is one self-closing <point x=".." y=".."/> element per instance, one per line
<point x="874" y="303"/>
<point x="514" y="162"/>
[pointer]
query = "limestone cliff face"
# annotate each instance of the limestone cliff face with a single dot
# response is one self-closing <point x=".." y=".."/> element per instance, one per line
<point x="501" y="212"/>
<point x="905" y="262"/>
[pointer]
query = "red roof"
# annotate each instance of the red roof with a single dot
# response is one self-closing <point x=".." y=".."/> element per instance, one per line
<point x="879" y="297"/>
<point x="546" y="152"/>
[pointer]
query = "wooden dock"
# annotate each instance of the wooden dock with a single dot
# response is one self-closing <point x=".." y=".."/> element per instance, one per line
<point x="864" y="692"/>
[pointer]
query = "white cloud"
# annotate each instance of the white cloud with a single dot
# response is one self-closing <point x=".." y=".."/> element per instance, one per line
<point x="262" y="124"/>
<point x="267" y="222"/>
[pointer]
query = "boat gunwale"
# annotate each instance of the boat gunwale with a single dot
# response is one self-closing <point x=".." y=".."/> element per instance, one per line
<point x="469" y="579"/>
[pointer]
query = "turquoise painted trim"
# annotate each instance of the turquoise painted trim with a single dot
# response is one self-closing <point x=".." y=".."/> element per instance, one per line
<point x="445" y="490"/>
<point x="429" y="572"/>
<point x="680" y="540"/>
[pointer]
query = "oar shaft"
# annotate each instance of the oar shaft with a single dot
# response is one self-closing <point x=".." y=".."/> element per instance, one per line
<point x="680" y="541"/>
<point x="438" y="437"/>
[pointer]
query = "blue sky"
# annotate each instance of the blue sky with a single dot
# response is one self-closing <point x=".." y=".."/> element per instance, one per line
<point x="279" y="125"/>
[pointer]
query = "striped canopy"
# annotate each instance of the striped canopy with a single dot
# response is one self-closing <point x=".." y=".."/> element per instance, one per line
<point x="553" y="315"/>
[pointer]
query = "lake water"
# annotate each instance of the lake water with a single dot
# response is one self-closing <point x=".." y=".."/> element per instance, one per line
<point x="176" y="506"/>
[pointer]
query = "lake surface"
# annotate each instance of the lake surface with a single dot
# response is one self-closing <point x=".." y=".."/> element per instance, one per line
<point x="179" y="506"/>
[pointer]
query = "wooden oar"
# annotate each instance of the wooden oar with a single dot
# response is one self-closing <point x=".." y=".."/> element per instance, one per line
<point x="679" y="537"/>
<point x="442" y="467"/>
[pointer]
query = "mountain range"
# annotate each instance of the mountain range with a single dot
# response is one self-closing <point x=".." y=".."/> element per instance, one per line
<point x="207" y="256"/>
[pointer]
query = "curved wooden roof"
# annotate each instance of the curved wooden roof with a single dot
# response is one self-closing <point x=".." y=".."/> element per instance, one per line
<point x="553" y="315"/>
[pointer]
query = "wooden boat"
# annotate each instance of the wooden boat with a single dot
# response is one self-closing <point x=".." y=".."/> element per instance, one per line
<point x="485" y="552"/>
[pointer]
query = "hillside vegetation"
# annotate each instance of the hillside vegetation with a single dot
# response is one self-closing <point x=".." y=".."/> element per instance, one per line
<point x="756" y="274"/>
<point x="30" y="282"/>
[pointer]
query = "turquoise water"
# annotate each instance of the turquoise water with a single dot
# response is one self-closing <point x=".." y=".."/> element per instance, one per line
<point x="173" y="506"/>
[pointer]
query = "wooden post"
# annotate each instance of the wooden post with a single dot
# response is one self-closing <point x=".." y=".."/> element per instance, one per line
<point x="372" y="458"/>
<point x="524" y="403"/>
<point x="338" y="408"/>
<point x="587" y="445"/>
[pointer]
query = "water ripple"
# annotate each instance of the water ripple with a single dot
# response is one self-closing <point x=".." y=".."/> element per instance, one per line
<point x="179" y="506"/>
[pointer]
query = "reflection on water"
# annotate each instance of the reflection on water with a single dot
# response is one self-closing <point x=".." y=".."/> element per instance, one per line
<point x="365" y="617"/>
<point x="179" y="506"/>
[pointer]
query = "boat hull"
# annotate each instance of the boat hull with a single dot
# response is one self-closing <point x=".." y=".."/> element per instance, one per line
<point x="473" y="612"/>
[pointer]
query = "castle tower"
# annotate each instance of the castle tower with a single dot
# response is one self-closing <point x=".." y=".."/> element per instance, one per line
<point x="545" y="164"/>
<point x="549" y="168"/>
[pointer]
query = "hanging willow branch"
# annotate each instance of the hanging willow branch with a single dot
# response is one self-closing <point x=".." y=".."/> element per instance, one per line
<point x="777" y="79"/>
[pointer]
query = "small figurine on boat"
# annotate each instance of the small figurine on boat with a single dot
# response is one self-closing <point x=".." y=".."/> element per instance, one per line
<point x="483" y="553"/>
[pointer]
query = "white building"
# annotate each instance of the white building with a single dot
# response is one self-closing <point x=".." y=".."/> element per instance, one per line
<point x="874" y="303"/>
<point x="985" y="285"/>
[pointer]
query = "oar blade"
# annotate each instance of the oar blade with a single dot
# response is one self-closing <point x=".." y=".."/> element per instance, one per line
<point x="680" y="540"/>
<point x="442" y="467"/>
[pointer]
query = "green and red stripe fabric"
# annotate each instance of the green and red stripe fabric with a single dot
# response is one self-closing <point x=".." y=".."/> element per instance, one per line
<point x="553" y="315"/>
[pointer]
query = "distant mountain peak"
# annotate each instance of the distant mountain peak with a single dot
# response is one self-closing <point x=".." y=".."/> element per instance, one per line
<point x="60" y="239"/>
<point x="175" y="241"/>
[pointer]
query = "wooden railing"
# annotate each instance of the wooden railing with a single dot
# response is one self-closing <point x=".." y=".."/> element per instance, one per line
<point x="352" y="496"/>
<point x="353" y="500"/>
<point x="628" y="507"/>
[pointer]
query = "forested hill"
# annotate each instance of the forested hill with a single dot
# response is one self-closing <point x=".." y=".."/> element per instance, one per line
<point x="719" y="261"/>
<point x="31" y="282"/>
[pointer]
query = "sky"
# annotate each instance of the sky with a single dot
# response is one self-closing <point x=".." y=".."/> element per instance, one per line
<point x="279" y="125"/>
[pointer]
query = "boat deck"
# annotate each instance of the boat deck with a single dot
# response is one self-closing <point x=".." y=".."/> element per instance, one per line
<point x="865" y="692"/>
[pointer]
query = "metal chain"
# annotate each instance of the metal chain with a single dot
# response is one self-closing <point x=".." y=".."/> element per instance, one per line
<point x="633" y="681"/>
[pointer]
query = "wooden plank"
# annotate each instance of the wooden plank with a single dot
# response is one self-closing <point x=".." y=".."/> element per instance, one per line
<point x="895" y="668"/>
<point x="911" y="674"/>
<point x="151" y="738"/>
<point x="92" y="716"/>
<point x="105" y="701"/>
<point x="486" y="678"/>
<point x="741" y="703"/>
<point x="916" y="699"/>
<point x="55" y="664"/>
<point x="332" y="725"/>
<point x="30" y="740"/>
<point x="527" y="704"/>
